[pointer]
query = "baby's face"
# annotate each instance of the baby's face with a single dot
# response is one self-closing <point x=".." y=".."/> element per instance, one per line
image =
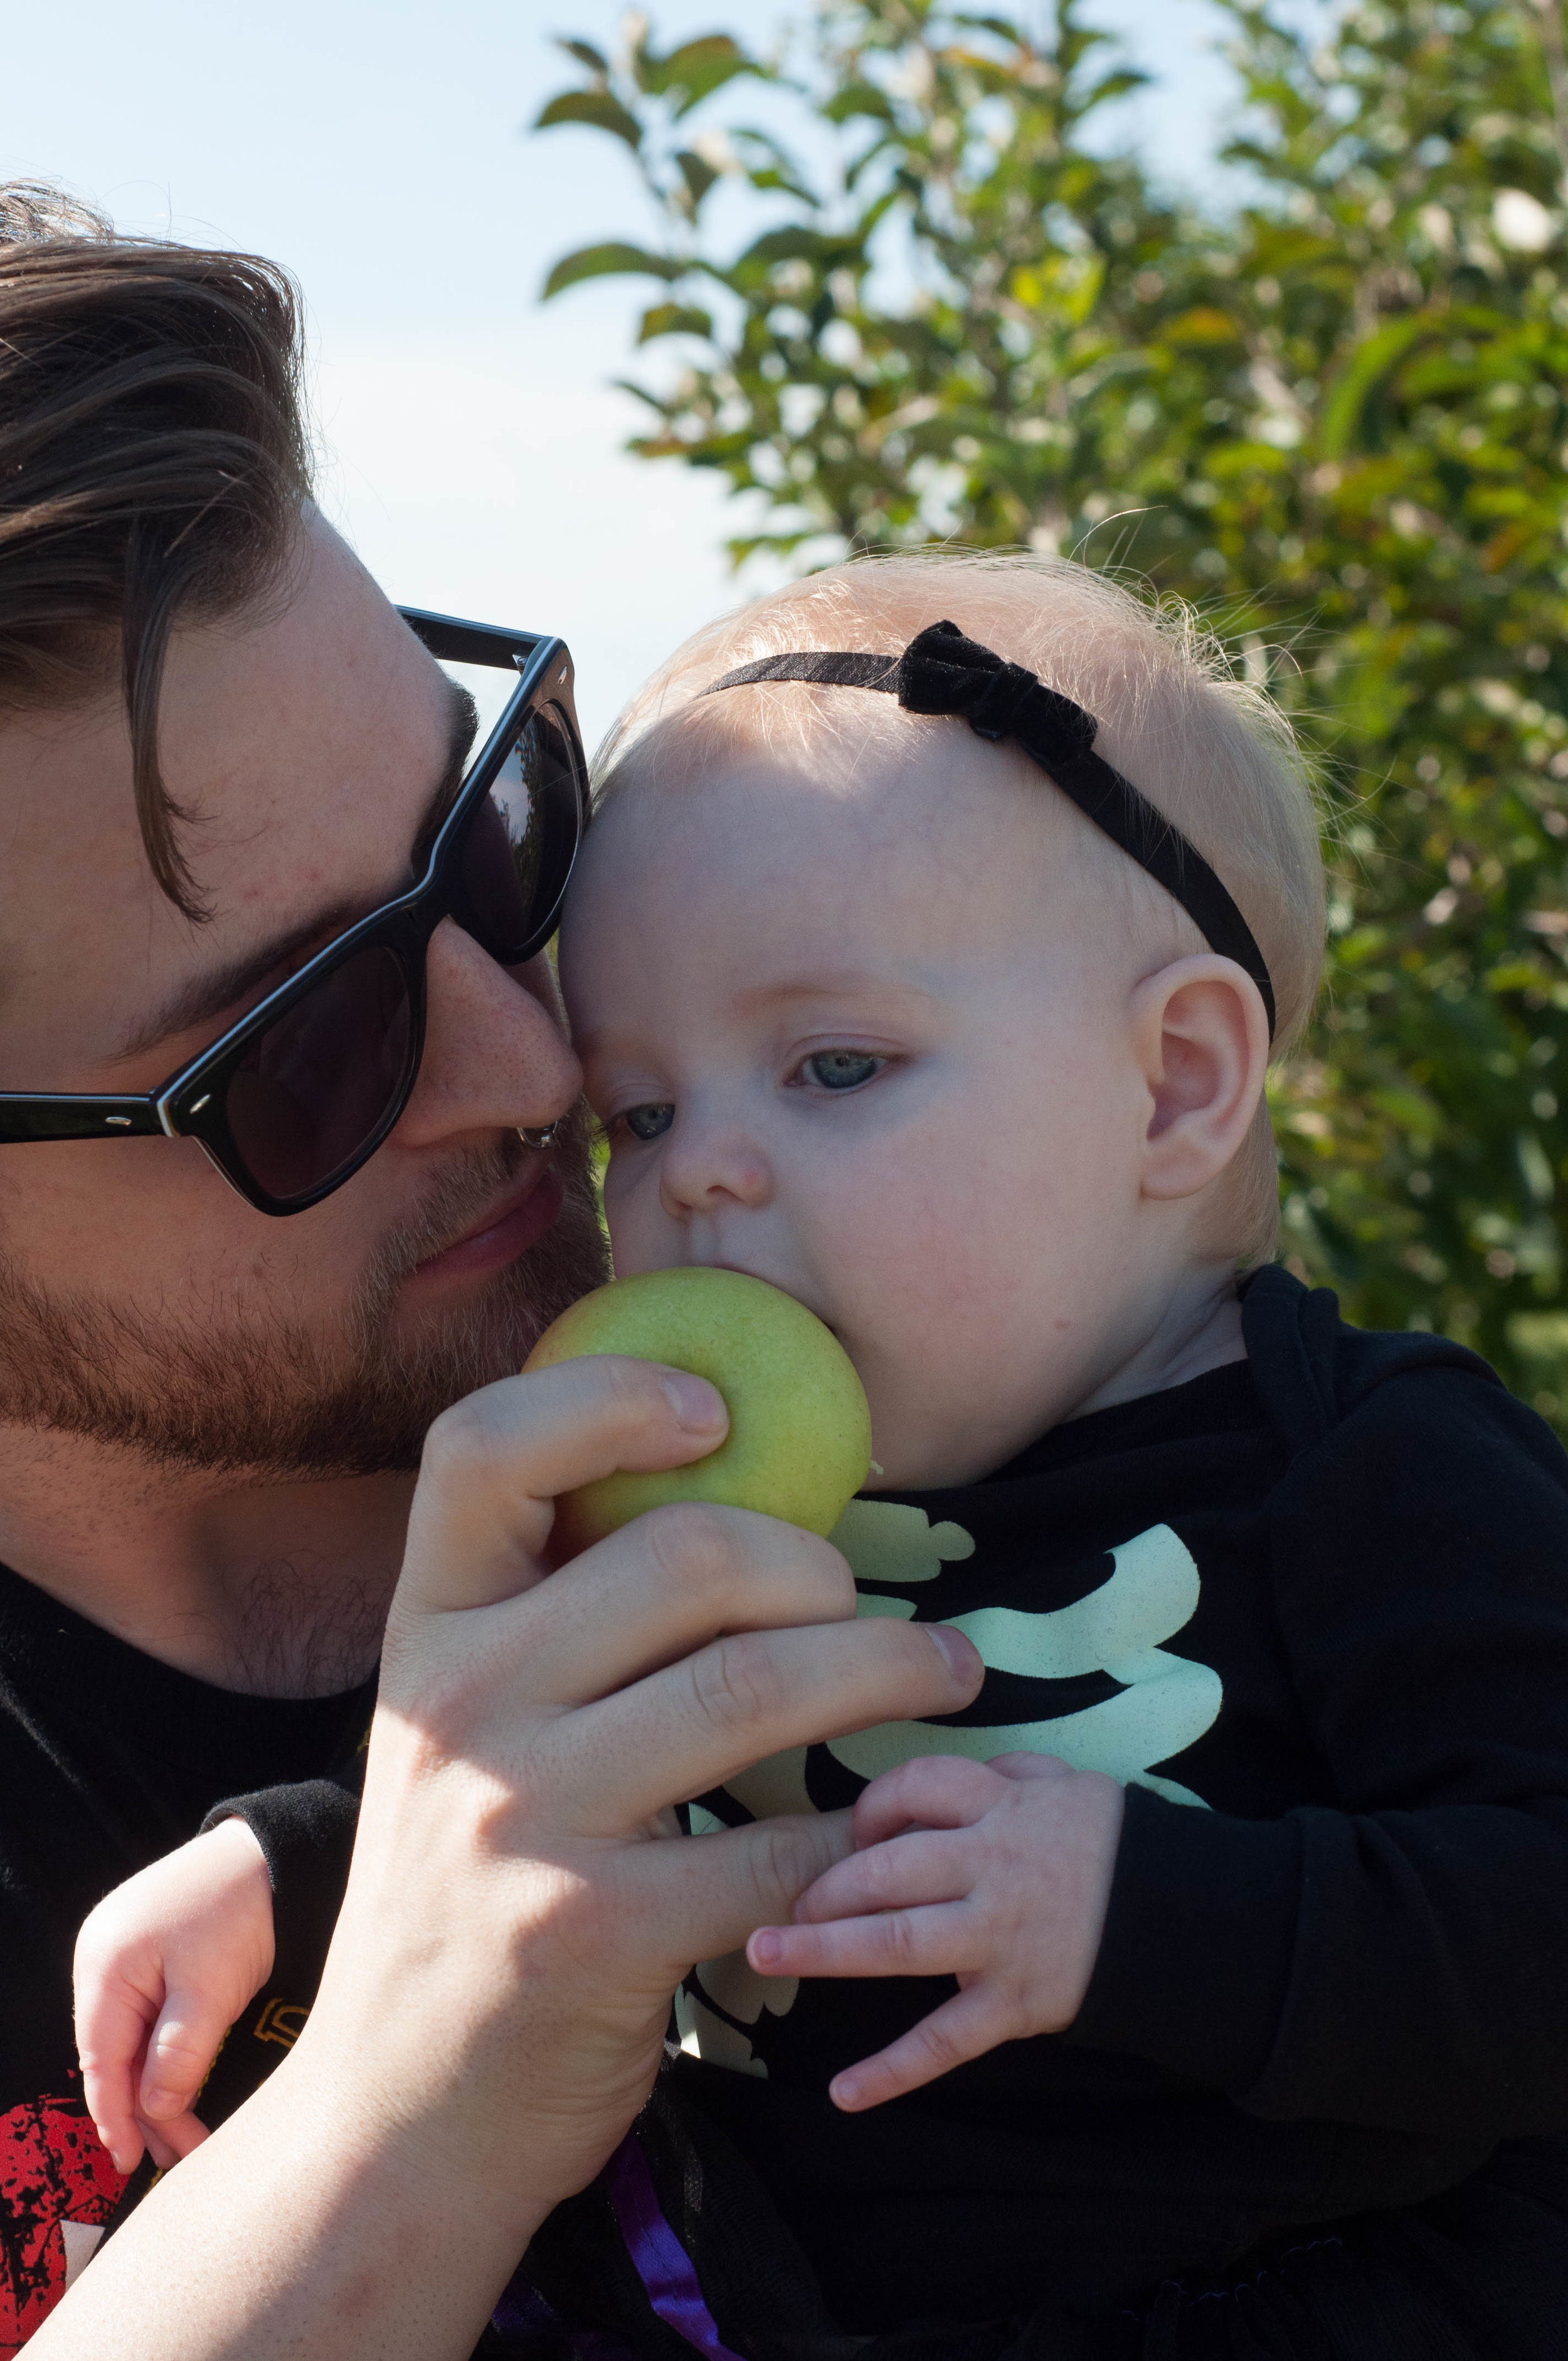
<point x="861" y="1029"/>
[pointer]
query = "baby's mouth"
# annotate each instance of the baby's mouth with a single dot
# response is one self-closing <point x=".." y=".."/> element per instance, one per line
<point x="744" y="1272"/>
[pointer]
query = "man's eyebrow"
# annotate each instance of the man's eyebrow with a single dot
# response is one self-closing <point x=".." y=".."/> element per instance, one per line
<point x="463" y="727"/>
<point x="202" y="999"/>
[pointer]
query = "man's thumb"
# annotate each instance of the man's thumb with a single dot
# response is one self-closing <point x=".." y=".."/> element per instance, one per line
<point x="753" y="1877"/>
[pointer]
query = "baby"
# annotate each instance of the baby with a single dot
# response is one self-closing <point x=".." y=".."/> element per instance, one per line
<point x="901" y="984"/>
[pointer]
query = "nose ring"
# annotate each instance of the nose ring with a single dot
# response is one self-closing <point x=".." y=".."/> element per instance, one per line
<point x="541" y="1138"/>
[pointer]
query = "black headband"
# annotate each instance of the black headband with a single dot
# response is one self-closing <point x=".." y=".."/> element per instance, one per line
<point x="941" y="672"/>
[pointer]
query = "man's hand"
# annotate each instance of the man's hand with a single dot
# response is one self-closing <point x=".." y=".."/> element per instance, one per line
<point x="494" y="2004"/>
<point x="691" y="1643"/>
<point x="164" y="1965"/>
<point x="998" y="1873"/>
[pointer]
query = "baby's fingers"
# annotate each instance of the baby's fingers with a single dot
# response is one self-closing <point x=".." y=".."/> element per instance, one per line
<point x="933" y="1790"/>
<point x="961" y="2028"/>
<point x="112" y="2022"/>
<point x="929" y="1866"/>
<point x="168" y="2142"/>
<point x="185" y="2040"/>
<point x="933" y="1941"/>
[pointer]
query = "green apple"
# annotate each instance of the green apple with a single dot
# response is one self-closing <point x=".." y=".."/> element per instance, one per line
<point x="799" y="1443"/>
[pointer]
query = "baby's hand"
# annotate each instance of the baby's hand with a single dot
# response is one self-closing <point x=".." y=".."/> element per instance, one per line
<point x="996" y="1872"/>
<point x="164" y="1965"/>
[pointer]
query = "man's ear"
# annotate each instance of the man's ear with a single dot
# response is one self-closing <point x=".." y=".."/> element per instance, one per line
<point x="1201" y="1037"/>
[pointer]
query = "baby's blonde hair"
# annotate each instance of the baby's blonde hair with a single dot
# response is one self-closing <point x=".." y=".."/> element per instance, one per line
<point x="1215" y="754"/>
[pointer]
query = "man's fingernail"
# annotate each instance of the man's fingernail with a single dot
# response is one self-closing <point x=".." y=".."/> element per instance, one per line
<point x="158" y="2102"/>
<point x="697" y="1405"/>
<point x="963" y="1657"/>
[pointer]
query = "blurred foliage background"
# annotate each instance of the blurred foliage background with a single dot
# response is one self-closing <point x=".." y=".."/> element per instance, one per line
<point x="1326" y="405"/>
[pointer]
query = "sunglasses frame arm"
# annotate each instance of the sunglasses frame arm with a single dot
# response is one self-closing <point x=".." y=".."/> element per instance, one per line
<point x="62" y="1115"/>
<point x="451" y="640"/>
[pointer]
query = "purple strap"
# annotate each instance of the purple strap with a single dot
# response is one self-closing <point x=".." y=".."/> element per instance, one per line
<point x="662" y="2264"/>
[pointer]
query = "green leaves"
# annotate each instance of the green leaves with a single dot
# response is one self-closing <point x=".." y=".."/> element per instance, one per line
<point x="693" y="72"/>
<point x="641" y="98"/>
<point x="673" y="320"/>
<point x="861" y="99"/>
<point x="1343" y="416"/>
<point x="596" y="107"/>
<point x="697" y="173"/>
<point x="609" y="261"/>
<point x="1333" y="416"/>
<point x="587" y="55"/>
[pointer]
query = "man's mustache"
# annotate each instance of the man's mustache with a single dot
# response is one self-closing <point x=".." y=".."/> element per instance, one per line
<point x="457" y="1199"/>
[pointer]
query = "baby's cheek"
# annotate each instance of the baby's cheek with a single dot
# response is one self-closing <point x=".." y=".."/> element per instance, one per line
<point x="639" y="1232"/>
<point x="921" y="1309"/>
<point x="930" y="1267"/>
<point x="950" y="1351"/>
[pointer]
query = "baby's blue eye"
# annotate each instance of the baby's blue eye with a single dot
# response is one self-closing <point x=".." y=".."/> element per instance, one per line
<point x="648" y="1121"/>
<point x="841" y="1070"/>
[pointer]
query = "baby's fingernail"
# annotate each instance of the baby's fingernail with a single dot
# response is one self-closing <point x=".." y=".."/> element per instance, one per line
<point x="843" y="2089"/>
<point x="698" y="1406"/>
<point x="158" y="2102"/>
<point x="766" y="1947"/>
<point x="963" y="1657"/>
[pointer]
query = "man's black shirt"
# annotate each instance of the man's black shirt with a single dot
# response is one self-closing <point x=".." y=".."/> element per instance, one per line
<point x="108" y="1759"/>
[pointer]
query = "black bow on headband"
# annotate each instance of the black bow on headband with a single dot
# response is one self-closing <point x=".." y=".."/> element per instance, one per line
<point x="941" y="672"/>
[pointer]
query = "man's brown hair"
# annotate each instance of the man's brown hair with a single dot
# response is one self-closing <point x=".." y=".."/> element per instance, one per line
<point x="153" y="460"/>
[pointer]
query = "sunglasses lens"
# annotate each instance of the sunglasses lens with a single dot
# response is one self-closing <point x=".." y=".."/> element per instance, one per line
<point x="323" y="1081"/>
<point x="522" y="842"/>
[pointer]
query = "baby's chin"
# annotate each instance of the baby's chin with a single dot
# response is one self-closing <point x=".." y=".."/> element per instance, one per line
<point x="905" y="1462"/>
<point x="943" y="1447"/>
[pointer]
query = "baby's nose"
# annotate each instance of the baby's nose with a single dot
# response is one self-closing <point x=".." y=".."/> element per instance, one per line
<point x="704" y="1167"/>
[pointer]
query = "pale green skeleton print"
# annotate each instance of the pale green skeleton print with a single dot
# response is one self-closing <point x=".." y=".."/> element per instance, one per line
<point x="1164" y="1705"/>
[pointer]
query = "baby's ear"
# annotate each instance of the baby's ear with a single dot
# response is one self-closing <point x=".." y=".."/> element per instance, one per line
<point x="1201" y="1036"/>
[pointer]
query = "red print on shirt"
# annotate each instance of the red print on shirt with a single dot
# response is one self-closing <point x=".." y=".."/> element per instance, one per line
<point x="58" y="2188"/>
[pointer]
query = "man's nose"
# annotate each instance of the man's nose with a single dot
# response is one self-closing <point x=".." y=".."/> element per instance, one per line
<point x="710" y="1163"/>
<point x="495" y="1048"/>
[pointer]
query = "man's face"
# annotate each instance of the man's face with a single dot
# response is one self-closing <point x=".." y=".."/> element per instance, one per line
<point x="141" y="1301"/>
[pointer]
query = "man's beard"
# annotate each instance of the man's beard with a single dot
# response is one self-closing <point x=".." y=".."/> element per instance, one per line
<point x="240" y="1390"/>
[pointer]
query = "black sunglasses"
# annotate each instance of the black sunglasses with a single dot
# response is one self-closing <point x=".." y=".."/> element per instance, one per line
<point x="293" y="1100"/>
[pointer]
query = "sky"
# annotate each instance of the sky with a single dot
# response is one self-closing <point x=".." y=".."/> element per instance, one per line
<point x="470" y="437"/>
